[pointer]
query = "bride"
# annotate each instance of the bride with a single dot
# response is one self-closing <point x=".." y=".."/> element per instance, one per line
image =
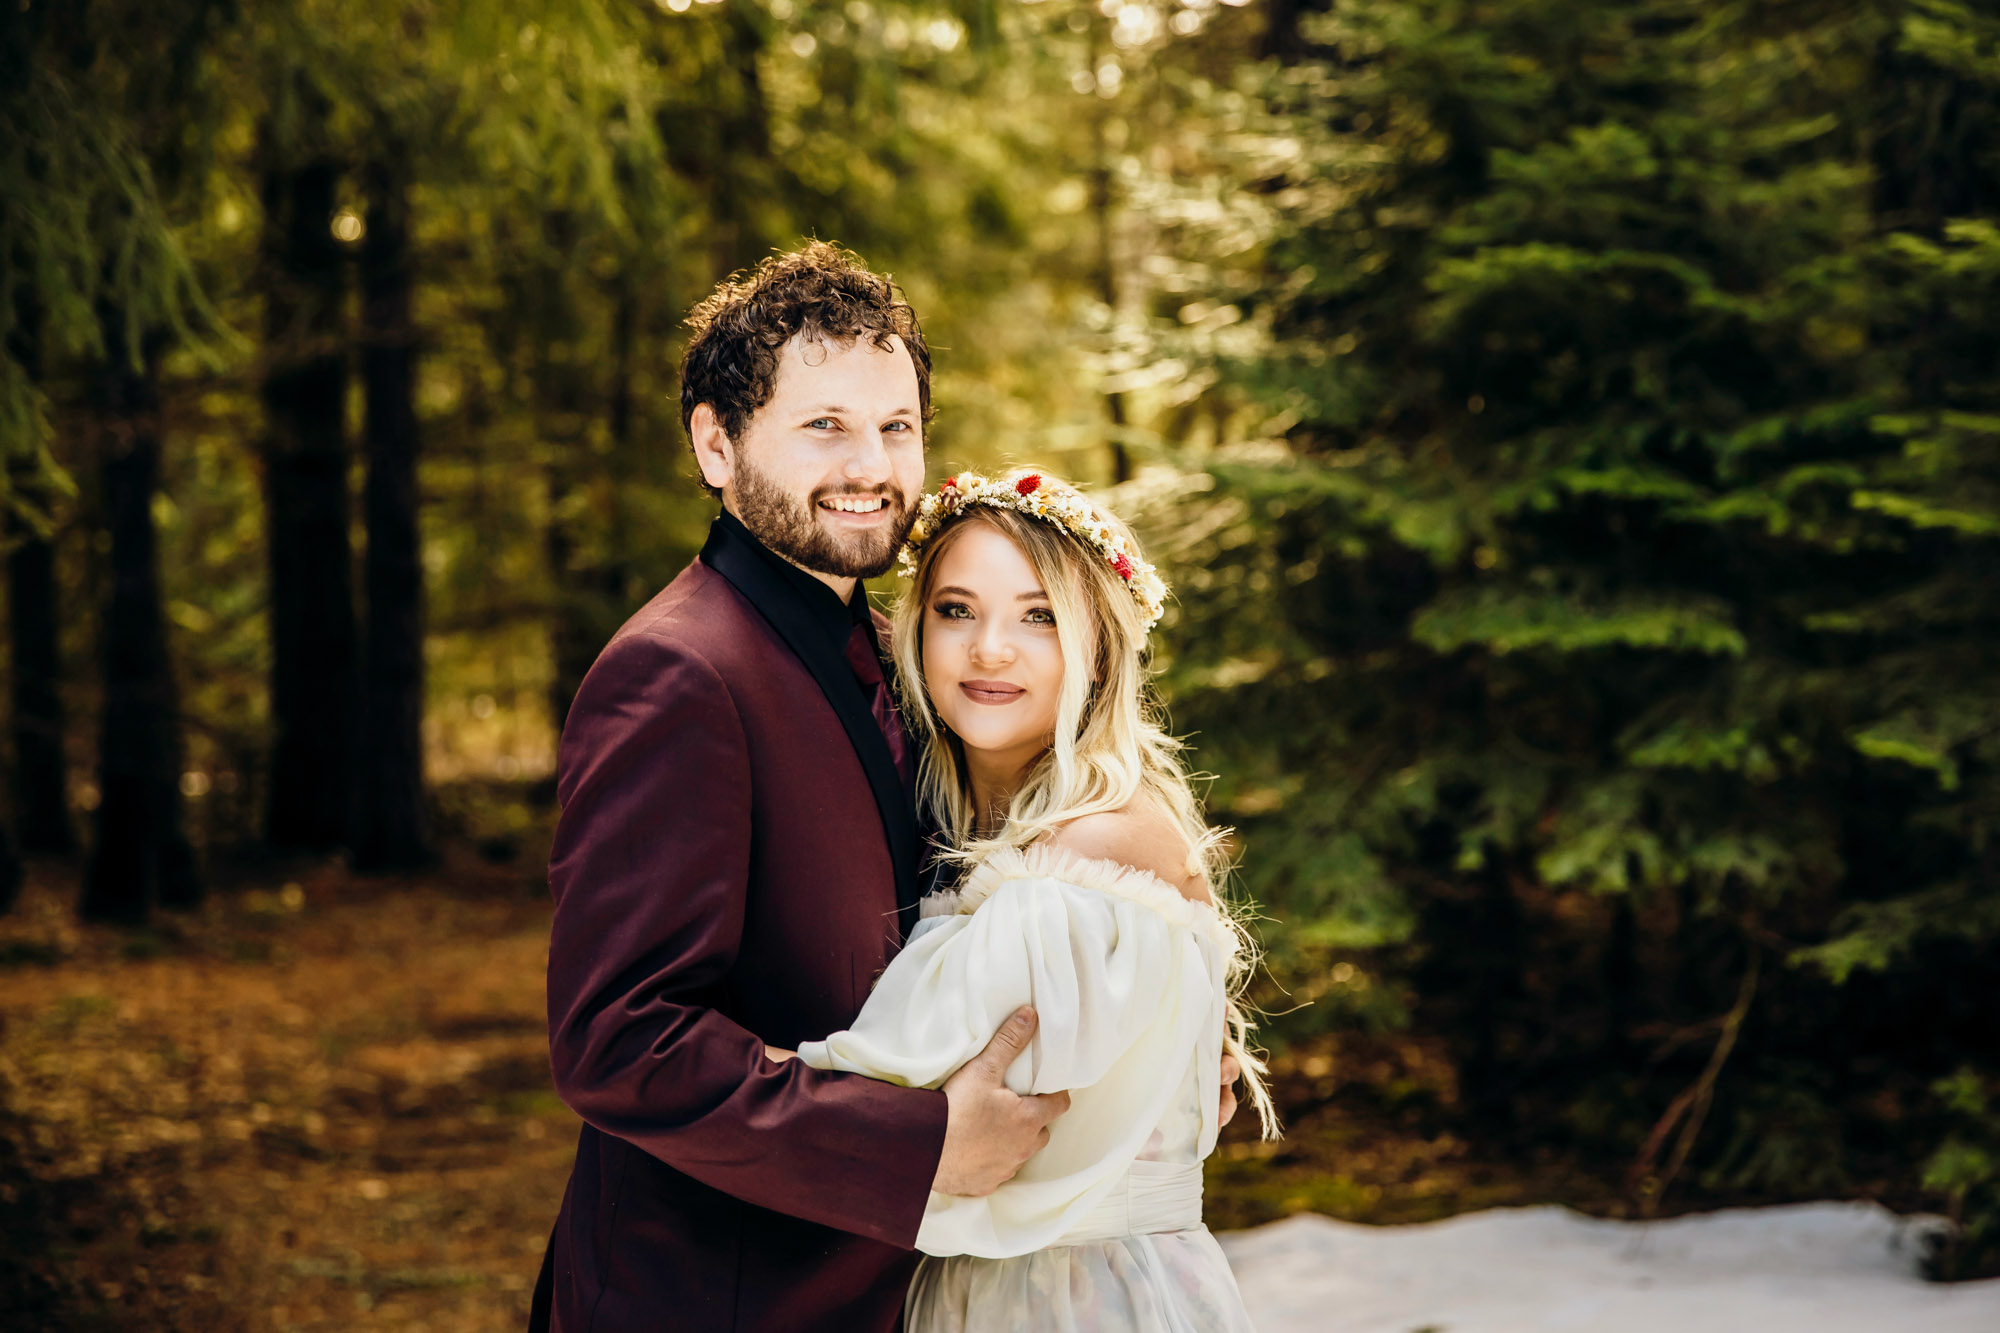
<point x="1085" y="886"/>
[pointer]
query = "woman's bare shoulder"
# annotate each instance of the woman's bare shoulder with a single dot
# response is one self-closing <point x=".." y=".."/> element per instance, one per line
<point x="1140" y="835"/>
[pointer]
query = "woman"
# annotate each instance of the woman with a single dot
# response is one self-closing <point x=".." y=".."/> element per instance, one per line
<point x="1085" y="888"/>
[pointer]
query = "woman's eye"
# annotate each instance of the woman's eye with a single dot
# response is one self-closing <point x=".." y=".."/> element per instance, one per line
<point x="953" y="610"/>
<point x="1041" y="615"/>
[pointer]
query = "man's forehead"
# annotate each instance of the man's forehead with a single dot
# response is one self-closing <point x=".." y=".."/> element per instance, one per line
<point x="807" y="364"/>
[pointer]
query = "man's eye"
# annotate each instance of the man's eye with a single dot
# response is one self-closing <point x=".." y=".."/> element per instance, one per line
<point x="820" y="423"/>
<point x="897" y="425"/>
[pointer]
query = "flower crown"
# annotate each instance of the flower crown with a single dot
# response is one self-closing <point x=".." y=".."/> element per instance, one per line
<point x="1052" y="501"/>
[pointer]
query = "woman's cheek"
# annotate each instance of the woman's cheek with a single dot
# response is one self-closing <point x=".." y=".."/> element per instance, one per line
<point x="1049" y="692"/>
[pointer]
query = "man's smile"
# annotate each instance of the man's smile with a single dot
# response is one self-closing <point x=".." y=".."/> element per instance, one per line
<point x="855" y="504"/>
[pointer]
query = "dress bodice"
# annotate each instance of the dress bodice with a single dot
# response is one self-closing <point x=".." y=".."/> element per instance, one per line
<point x="1127" y="979"/>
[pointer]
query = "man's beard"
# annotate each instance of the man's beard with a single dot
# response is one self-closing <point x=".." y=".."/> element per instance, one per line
<point x="776" y="519"/>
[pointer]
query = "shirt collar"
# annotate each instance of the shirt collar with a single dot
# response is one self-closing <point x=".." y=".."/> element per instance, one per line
<point x="836" y="619"/>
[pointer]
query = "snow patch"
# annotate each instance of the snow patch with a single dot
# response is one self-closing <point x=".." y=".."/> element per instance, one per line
<point x="1815" y="1268"/>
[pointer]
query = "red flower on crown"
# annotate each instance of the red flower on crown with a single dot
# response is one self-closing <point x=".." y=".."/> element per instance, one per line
<point x="1123" y="566"/>
<point x="948" y="484"/>
<point x="1028" y="484"/>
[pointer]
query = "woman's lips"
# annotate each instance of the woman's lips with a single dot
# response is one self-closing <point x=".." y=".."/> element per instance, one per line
<point x="990" y="691"/>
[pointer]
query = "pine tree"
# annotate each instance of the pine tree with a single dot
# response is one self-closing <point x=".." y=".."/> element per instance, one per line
<point x="1630" y="541"/>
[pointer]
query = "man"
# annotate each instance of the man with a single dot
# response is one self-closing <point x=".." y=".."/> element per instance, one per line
<point x="736" y="861"/>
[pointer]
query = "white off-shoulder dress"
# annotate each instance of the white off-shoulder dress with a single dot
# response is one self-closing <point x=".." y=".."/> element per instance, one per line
<point x="1101" y="1231"/>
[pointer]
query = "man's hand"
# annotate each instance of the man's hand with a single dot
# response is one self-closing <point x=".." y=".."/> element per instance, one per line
<point x="1232" y="1069"/>
<point x="989" y="1131"/>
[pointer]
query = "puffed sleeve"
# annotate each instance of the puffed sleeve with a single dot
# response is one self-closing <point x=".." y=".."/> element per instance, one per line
<point x="1127" y="996"/>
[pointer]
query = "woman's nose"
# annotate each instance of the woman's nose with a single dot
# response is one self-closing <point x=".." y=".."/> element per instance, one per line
<point x="991" y="643"/>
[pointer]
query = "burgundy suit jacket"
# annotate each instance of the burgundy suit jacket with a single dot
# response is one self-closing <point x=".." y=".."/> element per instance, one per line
<point x="728" y="871"/>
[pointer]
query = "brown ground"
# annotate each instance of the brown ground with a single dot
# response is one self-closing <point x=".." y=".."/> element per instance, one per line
<point x="318" y="1109"/>
<point x="324" y="1104"/>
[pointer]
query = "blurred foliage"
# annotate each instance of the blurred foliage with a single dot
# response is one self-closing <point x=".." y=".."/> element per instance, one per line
<point x="90" y="176"/>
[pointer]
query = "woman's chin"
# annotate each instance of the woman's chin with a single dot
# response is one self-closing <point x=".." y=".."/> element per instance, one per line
<point x="984" y="744"/>
<point x="987" y="741"/>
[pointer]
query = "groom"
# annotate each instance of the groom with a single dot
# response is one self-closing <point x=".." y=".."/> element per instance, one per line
<point x="737" y="859"/>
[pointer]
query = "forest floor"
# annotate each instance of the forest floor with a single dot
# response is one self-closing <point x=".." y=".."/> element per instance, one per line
<point x="322" y="1102"/>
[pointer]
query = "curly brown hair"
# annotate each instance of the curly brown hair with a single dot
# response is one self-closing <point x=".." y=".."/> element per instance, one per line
<point x="817" y="292"/>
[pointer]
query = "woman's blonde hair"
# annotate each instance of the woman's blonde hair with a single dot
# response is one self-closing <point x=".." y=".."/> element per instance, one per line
<point x="1109" y="747"/>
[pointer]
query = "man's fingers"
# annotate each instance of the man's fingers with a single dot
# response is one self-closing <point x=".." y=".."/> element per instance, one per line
<point x="1042" y="1139"/>
<point x="1007" y="1043"/>
<point x="1052" y="1104"/>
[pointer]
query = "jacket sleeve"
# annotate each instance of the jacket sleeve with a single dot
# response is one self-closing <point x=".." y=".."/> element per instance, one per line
<point x="650" y="869"/>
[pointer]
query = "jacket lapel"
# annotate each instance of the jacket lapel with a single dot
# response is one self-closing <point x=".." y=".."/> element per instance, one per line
<point x="781" y="608"/>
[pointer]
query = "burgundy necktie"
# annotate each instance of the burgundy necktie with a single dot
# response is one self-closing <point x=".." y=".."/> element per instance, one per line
<point x="881" y="700"/>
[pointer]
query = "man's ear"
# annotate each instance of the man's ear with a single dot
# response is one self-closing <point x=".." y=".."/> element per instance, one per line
<point x="714" y="451"/>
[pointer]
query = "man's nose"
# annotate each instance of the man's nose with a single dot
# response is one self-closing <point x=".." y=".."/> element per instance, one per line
<point x="867" y="459"/>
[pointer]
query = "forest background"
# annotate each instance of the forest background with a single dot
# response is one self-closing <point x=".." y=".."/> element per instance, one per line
<point x="1571" y="428"/>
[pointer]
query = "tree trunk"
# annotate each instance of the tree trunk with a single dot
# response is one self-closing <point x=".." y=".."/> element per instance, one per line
<point x="736" y="149"/>
<point x="573" y="629"/>
<point x="389" y="832"/>
<point x="1622" y="979"/>
<point x="10" y="874"/>
<point x="1475" y="948"/>
<point x="583" y="473"/>
<point x="571" y="625"/>
<point x="1282" y="40"/>
<point x="140" y="856"/>
<point x="41" y="774"/>
<point x="313" y="679"/>
<point x="588" y="539"/>
<point x="1103" y="210"/>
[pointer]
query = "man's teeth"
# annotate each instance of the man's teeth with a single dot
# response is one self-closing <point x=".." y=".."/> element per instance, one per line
<point x="855" y="505"/>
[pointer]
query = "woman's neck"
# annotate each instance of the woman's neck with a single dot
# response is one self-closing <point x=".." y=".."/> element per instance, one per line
<point x="994" y="776"/>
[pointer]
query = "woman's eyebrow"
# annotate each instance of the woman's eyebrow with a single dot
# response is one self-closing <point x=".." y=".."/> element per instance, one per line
<point x="1036" y="596"/>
